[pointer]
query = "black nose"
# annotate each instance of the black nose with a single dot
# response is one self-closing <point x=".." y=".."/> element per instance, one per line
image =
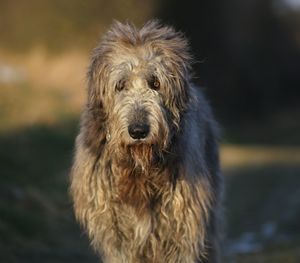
<point x="138" y="131"/>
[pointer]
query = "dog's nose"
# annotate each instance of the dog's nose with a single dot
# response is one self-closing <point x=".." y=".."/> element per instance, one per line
<point x="138" y="131"/>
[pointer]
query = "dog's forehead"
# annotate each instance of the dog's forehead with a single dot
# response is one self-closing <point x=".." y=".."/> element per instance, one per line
<point x="137" y="60"/>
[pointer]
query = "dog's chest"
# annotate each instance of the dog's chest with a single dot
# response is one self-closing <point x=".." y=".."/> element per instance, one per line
<point x="148" y="234"/>
<point x="159" y="233"/>
<point x="156" y="237"/>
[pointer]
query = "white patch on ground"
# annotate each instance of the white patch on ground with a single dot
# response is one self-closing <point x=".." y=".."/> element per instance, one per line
<point x="268" y="230"/>
<point x="285" y="6"/>
<point x="10" y="74"/>
<point x="245" y="244"/>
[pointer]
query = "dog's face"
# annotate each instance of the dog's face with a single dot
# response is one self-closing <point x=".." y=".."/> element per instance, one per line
<point x="139" y="113"/>
<point x="140" y="80"/>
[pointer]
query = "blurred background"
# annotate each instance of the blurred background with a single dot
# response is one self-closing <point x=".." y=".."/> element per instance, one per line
<point x="248" y="63"/>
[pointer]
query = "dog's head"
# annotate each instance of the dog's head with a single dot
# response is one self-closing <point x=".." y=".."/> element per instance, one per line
<point x="138" y="83"/>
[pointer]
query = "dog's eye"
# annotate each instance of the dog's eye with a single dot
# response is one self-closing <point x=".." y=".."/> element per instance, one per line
<point x="154" y="83"/>
<point x="120" y="85"/>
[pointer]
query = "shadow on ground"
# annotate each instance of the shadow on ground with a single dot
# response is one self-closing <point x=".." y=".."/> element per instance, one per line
<point x="36" y="219"/>
<point x="262" y="208"/>
<point x="37" y="224"/>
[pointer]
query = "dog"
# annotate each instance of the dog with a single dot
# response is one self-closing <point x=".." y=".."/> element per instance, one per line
<point x="146" y="182"/>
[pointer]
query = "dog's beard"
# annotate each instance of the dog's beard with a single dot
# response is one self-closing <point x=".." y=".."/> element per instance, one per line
<point x="140" y="177"/>
<point x="144" y="157"/>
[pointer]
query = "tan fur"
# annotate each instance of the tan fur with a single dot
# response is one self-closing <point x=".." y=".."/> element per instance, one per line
<point x="155" y="199"/>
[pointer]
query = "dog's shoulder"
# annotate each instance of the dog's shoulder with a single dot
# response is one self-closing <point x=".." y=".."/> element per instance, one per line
<point x="198" y="121"/>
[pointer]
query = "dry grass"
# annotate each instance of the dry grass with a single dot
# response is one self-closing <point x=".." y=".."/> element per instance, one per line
<point x="50" y="87"/>
<point x="233" y="156"/>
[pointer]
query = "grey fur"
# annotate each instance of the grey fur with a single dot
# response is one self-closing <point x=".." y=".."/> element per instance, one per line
<point x="156" y="199"/>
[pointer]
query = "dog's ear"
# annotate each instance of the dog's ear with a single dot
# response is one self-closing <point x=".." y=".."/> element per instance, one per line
<point x="176" y="62"/>
<point x="97" y="74"/>
<point x="93" y="119"/>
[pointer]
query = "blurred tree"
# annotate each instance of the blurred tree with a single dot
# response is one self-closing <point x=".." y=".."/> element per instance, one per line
<point x="250" y="59"/>
<point x="61" y="24"/>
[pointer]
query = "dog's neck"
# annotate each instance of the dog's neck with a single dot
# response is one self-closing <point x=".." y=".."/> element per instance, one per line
<point x="141" y="175"/>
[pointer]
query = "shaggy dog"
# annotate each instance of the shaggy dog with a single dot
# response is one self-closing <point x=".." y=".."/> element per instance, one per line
<point x="145" y="180"/>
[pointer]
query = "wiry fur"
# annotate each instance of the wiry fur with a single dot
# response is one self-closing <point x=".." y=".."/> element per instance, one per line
<point x="155" y="199"/>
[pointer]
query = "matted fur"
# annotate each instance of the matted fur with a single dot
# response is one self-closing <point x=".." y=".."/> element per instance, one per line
<point x="154" y="199"/>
